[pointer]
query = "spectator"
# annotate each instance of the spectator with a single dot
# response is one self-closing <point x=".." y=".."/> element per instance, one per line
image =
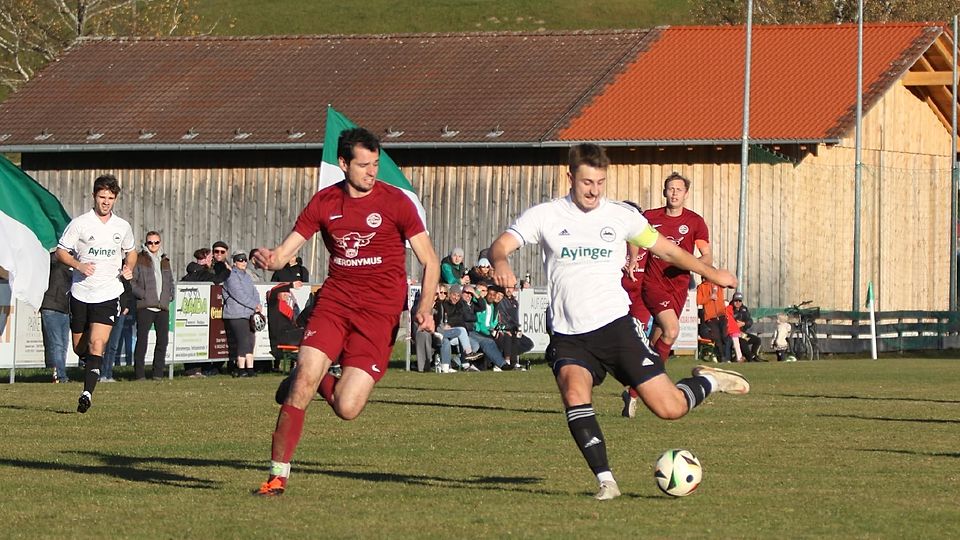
<point x="153" y="286"/>
<point x="221" y="268"/>
<point x="55" y="319"/>
<point x="481" y="273"/>
<point x="511" y="339"/>
<point x="733" y="334"/>
<point x="452" y="271"/>
<point x="484" y="330"/>
<point x="460" y="315"/>
<point x="240" y="301"/>
<point x="200" y="269"/>
<point x="121" y="335"/>
<point x="456" y="334"/>
<point x="749" y="343"/>
<point x="423" y="340"/>
<point x="710" y="296"/>
<point x="779" y="342"/>
<point x="293" y="271"/>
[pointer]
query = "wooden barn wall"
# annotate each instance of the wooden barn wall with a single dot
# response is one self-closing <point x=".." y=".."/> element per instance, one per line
<point x="800" y="225"/>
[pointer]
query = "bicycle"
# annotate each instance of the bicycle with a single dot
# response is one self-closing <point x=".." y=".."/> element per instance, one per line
<point x="803" y="336"/>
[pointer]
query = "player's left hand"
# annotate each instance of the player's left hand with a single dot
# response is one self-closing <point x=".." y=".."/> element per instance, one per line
<point x="425" y="321"/>
<point x="263" y="258"/>
<point x="127" y="273"/>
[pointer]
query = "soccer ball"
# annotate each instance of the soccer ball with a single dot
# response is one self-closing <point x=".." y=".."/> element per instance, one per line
<point x="678" y="472"/>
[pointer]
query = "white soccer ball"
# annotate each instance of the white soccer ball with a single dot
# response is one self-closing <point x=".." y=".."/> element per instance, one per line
<point x="678" y="472"/>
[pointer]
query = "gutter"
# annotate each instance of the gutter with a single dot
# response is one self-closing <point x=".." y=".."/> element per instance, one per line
<point x="172" y="147"/>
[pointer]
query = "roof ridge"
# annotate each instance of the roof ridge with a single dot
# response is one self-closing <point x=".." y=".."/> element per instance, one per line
<point x="894" y="24"/>
<point x="511" y="33"/>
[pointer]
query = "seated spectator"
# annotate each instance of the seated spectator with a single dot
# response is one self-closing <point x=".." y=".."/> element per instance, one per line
<point x="485" y="329"/>
<point x="710" y="296"/>
<point x="452" y="271"/>
<point x="460" y="315"/>
<point x="293" y="271"/>
<point x="510" y="338"/>
<point x="481" y="273"/>
<point x="424" y="341"/>
<point x="749" y="343"/>
<point x="283" y="312"/>
<point x="733" y="334"/>
<point x="451" y="307"/>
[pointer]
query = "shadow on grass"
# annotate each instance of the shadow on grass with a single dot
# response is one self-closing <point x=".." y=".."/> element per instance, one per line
<point x="463" y="406"/>
<point x="470" y="390"/>
<point x="38" y="409"/>
<point x="121" y="467"/>
<point x="888" y="419"/>
<point x="955" y="455"/>
<point x="871" y="398"/>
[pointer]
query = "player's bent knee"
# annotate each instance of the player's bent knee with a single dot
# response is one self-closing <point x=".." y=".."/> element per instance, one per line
<point x="672" y="409"/>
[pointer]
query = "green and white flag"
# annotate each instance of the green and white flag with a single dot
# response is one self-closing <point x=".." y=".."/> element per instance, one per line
<point x="31" y="222"/>
<point x="869" y="303"/>
<point x="330" y="172"/>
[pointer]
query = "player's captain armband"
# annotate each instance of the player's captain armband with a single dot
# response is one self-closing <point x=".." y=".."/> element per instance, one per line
<point x="646" y="239"/>
<point x="701" y="244"/>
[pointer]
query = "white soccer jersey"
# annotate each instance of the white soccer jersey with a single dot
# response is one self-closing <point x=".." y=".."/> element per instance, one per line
<point x="583" y="253"/>
<point x="105" y="245"/>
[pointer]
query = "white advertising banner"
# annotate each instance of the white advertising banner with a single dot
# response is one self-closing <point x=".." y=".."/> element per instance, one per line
<point x="29" y="346"/>
<point x="687" y="340"/>
<point x="533" y="317"/>
<point x="191" y="322"/>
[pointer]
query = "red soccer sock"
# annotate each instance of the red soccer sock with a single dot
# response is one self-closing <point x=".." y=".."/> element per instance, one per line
<point x="286" y="436"/>
<point x="633" y="393"/>
<point x="327" y="384"/>
<point x="663" y="349"/>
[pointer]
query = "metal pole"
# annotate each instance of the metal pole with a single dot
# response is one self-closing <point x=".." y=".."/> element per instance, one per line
<point x="954" y="177"/>
<point x="745" y="150"/>
<point x="858" y="167"/>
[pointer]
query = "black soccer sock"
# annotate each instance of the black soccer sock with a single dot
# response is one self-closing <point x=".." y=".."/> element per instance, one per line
<point x="695" y="389"/>
<point x="586" y="432"/>
<point x="91" y="372"/>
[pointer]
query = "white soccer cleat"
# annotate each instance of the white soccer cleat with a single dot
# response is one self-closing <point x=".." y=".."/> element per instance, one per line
<point x="728" y="381"/>
<point x="608" y="490"/>
<point x="629" y="405"/>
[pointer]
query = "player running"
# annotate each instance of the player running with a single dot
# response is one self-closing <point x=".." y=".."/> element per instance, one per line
<point x="364" y="224"/>
<point x="583" y="237"/>
<point x="98" y="245"/>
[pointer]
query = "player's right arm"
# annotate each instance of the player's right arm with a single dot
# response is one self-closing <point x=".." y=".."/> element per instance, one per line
<point x="276" y="258"/>
<point x="675" y="255"/>
<point x="68" y="259"/>
<point x="499" y="252"/>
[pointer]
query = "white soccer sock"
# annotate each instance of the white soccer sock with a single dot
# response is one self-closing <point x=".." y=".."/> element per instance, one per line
<point x="710" y="379"/>
<point x="605" y="476"/>
<point x="279" y="469"/>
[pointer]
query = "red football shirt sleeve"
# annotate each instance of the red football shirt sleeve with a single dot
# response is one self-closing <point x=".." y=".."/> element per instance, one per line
<point x="309" y="220"/>
<point x="704" y="233"/>
<point x="408" y="219"/>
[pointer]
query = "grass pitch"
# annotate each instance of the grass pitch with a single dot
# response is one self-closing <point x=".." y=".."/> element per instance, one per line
<point x="836" y="448"/>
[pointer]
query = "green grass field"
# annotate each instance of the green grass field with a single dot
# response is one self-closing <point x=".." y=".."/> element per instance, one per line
<point x="279" y="17"/>
<point x="832" y="449"/>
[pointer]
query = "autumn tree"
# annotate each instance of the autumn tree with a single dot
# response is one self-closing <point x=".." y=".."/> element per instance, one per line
<point x="34" y="32"/>
<point x="822" y="11"/>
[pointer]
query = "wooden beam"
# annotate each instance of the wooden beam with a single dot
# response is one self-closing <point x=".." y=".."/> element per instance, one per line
<point x="928" y="78"/>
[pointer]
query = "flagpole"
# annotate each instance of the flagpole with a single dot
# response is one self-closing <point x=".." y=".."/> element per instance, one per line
<point x="745" y="151"/>
<point x="873" y="321"/>
<point x="858" y="166"/>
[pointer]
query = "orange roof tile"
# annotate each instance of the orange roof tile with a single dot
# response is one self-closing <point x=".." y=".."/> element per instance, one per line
<point x="688" y="85"/>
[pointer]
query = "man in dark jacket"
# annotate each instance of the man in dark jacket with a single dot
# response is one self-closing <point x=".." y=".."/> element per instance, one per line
<point x="510" y="338"/>
<point x="200" y="270"/>
<point x="749" y="343"/>
<point x="293" y="271"/>
<point x="153" y="287"/>
<point x="55" y="319"/>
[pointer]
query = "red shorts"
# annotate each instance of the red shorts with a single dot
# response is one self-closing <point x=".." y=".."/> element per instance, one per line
<point x="658" y="300"/>
<point x="360" y="339"/>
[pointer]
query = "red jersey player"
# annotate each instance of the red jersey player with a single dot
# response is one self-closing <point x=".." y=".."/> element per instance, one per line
<point x="364" y="224"/>
<point x="665" y="286"/>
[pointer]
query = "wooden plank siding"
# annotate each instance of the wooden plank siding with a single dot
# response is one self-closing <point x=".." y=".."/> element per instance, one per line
<point x="800" y="215"/>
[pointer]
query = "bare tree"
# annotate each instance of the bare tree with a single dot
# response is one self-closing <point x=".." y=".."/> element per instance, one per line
<point x="35" y="32"/>
<point x="821" y="11"/>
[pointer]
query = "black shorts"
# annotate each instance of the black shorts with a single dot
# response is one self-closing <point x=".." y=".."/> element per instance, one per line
<point x="240" y="338"/>
<point x="83" y="314"/>
<point x="619" y="348"/>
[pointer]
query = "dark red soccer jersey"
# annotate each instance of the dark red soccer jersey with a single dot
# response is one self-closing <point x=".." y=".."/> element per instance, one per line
<point x="684" y="231"/>
<point x="637" y="309"/>
<point x="366" y="241"/>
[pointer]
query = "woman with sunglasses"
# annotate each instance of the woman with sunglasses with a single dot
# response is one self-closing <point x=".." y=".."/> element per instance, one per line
<point x="240" y="301"/>
<point x="153" y="288"/>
